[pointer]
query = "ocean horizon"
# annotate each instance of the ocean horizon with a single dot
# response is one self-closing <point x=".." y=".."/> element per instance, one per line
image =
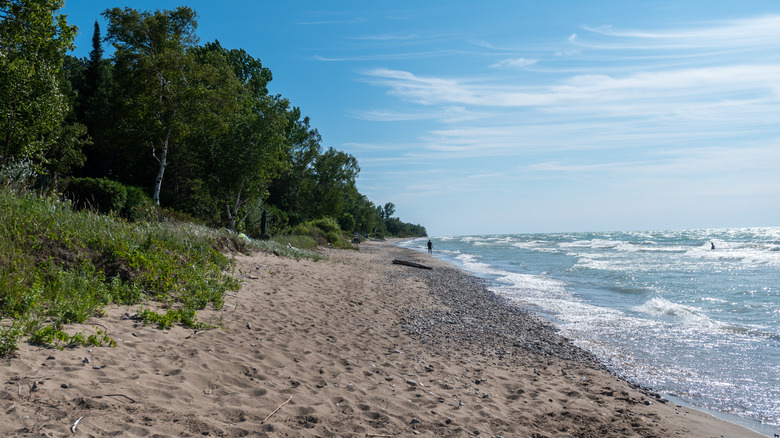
<point x="692" y="314"/>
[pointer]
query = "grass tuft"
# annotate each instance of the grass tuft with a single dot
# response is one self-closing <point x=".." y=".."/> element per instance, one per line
<point x="59" y="266"/>
<point x="296" y="247"/>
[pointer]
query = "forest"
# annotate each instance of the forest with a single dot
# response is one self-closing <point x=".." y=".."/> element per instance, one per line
<point x="167" y="127"/>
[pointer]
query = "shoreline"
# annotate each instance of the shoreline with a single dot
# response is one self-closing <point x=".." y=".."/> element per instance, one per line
<point x="353" y="346"/>
<point x="747" y="423"/>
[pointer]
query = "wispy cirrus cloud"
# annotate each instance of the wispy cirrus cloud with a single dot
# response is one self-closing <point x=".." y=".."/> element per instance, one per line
<point x="449" y="114"/>
<point x="389" y="56"/>
<point x="755" y="32"/>
<point x="387" y="37"/>
<point x="516" y="62"/>
<point x="346" y="21"/>
<point x="628" y="112"/>
<point x="633" y="93"/>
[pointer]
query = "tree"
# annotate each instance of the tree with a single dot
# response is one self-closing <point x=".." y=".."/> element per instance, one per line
<point x="388" y="211"/>
<point x="33" y="42"/>
<point x="362" y="210"/>
<point x="293" y="190"/>
<point x="153" y="70"/>
<point x="93" y="74"/>
<point x="334" y="174"/>
<point x="241" y="129"/>
<point x="246" y="159"/>
<point x="90" y="79"/>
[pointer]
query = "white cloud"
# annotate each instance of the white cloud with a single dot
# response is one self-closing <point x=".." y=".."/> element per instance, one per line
<point x="422" y="90"/>
<point x="756" y="32"/>
<point x="516" y="63"/>
<point x="709" y="84"/>
<point x="626" y="112"/>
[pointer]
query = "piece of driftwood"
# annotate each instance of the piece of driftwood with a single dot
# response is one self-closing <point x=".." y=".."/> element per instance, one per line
<point x="115" y="395"/>
<point x="275" y="410"/>
<point x="412" y="264"/>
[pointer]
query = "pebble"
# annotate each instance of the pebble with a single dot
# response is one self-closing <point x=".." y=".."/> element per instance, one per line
<point x="86" y="360"/>
<point x="411" y="382"/>
<point x="482" y="322"/>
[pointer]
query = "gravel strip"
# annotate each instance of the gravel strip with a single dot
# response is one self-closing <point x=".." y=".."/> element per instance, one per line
<point x="469" y="316"/>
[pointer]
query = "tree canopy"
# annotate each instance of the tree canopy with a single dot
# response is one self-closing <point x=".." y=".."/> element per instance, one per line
<point x="33" y="108"/>
<point x="193" y="126"/>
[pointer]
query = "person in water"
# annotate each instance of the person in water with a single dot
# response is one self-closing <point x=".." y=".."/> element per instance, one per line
<point x="430" y="247"/>
<point x="713" y="245"/>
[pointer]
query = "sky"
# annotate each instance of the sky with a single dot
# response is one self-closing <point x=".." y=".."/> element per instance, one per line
<point x="526" y="116"/>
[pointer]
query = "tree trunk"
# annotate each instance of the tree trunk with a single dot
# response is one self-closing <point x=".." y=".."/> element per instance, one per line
<point x="162" y="161"/>
<point x="231" y="217"/>
<point x="232" y="214"/>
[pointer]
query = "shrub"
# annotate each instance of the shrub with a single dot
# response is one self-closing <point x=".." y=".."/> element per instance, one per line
<point x="176" y="216"/>
<point x="327" y="224"/>
<point x="347" y="222"/>
<point x="300" y="230"/>
<point x="102" y="194"/>
<point x="138" y="206"/>
<point x="313" y="231"/>
<point x="254" y="219"/>
<point x="16" y="174"/>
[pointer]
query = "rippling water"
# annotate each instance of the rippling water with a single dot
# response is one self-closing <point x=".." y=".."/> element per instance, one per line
<point x="662" y="309"/>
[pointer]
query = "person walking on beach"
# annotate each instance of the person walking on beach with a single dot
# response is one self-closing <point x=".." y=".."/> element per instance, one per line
<point x="430" y="247"/>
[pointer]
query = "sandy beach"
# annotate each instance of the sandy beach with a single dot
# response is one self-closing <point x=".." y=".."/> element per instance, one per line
<point x="351" y="346"/>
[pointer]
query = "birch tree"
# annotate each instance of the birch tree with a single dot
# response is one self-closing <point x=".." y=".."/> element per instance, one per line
<point x="154" y="70"/>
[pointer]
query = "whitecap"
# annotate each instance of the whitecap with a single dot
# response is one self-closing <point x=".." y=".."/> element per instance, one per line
<point x="660" y="307"/>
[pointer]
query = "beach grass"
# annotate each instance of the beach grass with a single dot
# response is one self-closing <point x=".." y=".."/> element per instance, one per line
<point x="60" y="266"/>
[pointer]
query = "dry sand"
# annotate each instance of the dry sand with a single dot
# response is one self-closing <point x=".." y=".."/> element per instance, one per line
<point x="318" y="349"/>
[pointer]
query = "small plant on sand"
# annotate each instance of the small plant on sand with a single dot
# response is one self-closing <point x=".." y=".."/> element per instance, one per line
<point x="52" y="336"/>
<point x="9" y="338"/>
<point x="296" y="247"/>
<point x="184" y="316"/>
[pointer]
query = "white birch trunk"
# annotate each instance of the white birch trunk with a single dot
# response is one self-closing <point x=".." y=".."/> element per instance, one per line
<point x="162" y="162"/>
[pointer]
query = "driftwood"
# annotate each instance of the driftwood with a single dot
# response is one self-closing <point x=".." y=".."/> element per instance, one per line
<point x="412" y="264"/>
<point x="276" y="410"/>
<point x="115" y="395"/>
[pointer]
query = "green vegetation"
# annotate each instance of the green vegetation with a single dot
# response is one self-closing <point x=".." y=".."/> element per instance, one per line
<point x="187" y="126"/>
<point x="59" y="266"/>
<point x="115" y="173"/>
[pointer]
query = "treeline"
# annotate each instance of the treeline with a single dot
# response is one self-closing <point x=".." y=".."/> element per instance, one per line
<point x="186" y="127"/>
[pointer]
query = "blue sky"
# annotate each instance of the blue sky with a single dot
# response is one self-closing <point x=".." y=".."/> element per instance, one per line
<point x="527" y="115"/>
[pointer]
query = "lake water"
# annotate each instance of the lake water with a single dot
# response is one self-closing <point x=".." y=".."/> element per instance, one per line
<point x="661" y="309"/>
